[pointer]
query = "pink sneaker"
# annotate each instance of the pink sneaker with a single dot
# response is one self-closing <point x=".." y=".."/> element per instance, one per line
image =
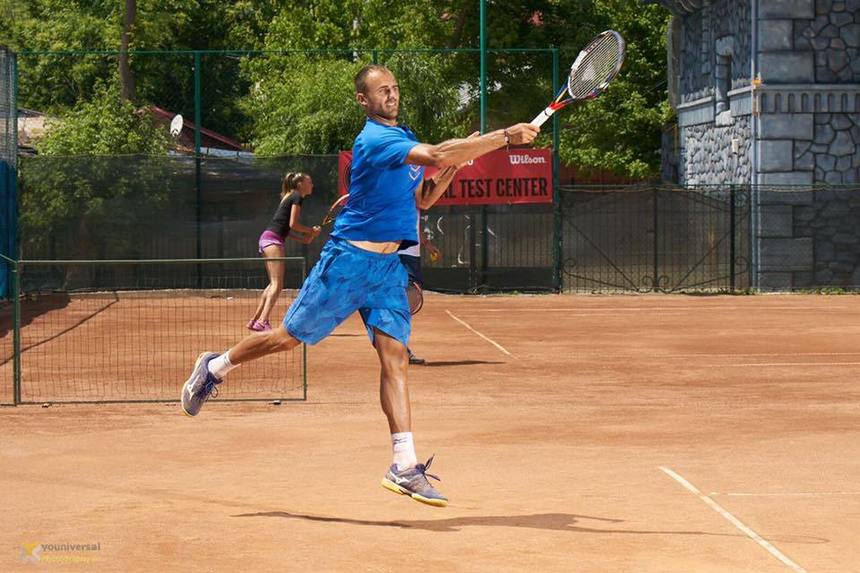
<point x="250" y="325"/>
<point x="261" y="326"/>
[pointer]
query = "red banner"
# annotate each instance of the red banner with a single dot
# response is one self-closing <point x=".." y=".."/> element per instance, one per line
<point x="500" y="177"/>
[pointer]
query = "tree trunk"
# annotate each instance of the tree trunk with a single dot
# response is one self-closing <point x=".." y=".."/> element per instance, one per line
<point x="126" y="78"/>
<point x="459" y="25"/>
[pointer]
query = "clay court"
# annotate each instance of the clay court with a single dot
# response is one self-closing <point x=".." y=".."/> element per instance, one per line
<point x="572" y="433"/>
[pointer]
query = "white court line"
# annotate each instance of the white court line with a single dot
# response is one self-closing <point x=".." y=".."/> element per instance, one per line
<point x="491" y="341"/>
<point x="734" y="521"/>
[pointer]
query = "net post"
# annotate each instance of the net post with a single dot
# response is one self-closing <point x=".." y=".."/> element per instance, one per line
<point x="16" y="332"/>
<point x="198" y="113"/>
<point x="473" y="239"/>
<point x="483" y="106"/>
<point x="656" y="245"/>
<point x="732" y="243"/>
<point x="485" y="244"/>
<point x="483" y="58"/>
<point x="556" y="195"/>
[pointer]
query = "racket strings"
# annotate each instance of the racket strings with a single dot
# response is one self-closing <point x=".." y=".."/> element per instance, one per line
<point x="596" y="69"/>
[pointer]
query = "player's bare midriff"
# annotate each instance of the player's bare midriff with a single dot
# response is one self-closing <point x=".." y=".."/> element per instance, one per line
<point x="385" y="248"/>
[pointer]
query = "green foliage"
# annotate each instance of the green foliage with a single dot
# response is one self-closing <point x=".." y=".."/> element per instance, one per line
<point x="50" y="84"/>
<point x="620" y="131"/>
<point x="104" y="125"/>
<point x="430" y="95"/>
<point x="304" y="104"/>
<point x="77" y="178"/>
<point x="107" y="203"/>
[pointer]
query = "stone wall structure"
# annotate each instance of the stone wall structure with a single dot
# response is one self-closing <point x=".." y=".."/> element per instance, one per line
<point x="796" y="126"/>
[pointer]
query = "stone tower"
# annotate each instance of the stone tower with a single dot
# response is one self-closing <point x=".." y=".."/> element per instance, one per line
<point x="798" y="124"/>
<point x="767" y="93"/>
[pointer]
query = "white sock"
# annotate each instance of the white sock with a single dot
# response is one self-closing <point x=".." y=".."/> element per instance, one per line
<point x="221" y="365"/>
<point x="404" y="450"/>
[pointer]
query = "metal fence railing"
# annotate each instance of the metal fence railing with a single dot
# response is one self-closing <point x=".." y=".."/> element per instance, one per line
<point x="721" y="238"/>
<point x="655" y="239"/>
<point x="8" y="161"/>
<point x="620" y="238"/>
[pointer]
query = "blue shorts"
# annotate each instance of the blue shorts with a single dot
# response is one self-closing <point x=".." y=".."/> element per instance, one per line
<point x="413" y="268"/>
<point x="347" y="279"/>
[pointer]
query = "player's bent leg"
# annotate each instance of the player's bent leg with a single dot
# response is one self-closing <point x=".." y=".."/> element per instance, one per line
<point x="262" y="344"/>
<point x="204" y="380"/>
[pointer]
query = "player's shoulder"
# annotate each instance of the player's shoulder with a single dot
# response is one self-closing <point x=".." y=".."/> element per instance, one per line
<point x="375" y="131"/>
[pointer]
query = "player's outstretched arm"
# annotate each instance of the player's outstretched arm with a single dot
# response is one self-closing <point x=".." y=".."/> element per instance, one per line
<point x="458" y="151"/>
<point x="433" y="188"/>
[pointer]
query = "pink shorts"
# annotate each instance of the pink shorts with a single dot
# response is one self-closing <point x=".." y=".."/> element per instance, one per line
<point x="269" y="238"/>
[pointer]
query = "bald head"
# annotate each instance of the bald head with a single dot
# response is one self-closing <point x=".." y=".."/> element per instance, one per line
<point x="363" y="73"/>
<point x="377" y="92"/>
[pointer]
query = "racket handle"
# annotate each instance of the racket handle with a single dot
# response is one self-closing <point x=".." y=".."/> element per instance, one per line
<point x="542" y="117"/>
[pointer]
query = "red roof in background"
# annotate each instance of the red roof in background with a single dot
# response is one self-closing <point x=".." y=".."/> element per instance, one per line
<point x="164" y="116"/>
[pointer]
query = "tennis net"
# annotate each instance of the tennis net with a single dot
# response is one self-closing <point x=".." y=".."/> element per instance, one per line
<point x="129" y="331"/>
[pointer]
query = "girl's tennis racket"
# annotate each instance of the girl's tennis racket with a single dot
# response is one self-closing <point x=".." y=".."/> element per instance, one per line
<point x="595" y="66"/>
<point x="334" y="210"/>
<point x="415" y="296"/>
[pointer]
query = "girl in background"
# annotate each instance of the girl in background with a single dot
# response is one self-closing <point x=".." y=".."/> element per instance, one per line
<point x="285" y="223"/>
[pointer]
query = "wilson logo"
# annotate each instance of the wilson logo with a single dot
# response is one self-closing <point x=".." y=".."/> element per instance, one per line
<point x="525" y="159"/>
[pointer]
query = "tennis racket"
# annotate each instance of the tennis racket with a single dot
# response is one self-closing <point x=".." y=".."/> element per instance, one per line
<point x="592" y="71"/>
<point x="415" y="295"/>
<point x="176" y="125"/>
<point x="334" y="210"/>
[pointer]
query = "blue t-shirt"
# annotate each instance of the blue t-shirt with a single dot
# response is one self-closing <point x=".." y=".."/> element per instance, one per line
<point x="381" y="205"/>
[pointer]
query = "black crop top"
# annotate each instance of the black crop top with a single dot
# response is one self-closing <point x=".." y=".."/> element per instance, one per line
<point x="280" y="224"/>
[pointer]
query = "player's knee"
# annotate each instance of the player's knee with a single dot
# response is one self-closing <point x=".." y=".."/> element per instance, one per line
<point x="282" y="340"/>
<point x="395" y="366"/>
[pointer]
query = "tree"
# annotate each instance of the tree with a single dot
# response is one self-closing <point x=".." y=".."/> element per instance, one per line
<point x="304" y="103"/>
<point x="104" y="125"/>
<point x="620" y="131"/>
<point x="126" y="77"/>
<point x="100" y="171"/>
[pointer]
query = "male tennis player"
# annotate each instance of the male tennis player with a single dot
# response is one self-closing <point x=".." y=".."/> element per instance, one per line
<point x="359" y="269"/>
